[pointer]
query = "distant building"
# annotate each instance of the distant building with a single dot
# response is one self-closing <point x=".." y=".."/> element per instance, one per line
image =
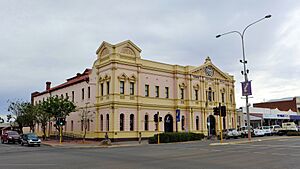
<point x="124" y="92"/>
<point x="284" y="104"/>
<point x="265" y="116"/>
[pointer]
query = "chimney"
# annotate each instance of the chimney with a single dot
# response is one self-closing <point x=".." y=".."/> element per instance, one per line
<point x="48" y="85"/>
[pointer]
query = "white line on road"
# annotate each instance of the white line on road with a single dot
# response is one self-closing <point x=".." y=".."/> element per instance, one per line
<point x="20" y="164"/>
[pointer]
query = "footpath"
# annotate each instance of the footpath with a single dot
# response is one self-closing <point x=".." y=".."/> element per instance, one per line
<point x="91" y="144"/>
<point x="210" y="142"/>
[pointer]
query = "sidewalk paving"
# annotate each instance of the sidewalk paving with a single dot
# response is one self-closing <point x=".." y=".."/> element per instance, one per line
<point x="91" y="144"/>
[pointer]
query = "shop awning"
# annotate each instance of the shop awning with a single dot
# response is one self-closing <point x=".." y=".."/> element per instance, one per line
<point x="294" y="117"/>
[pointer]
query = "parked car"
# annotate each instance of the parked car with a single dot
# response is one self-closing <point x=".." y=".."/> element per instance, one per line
<point x="244" y="131"/>
<point x="30" y="139"/>
<point x="266" y="129"/>
<point x="258" y="132"/>
<point x="286" y="127"/>
<point x="230" y="133"/>
<point x="10" y="137"/>
<point x="275" y="129"/>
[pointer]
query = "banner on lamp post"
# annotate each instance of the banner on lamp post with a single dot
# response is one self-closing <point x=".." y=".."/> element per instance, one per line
<point x="246" y="88"/>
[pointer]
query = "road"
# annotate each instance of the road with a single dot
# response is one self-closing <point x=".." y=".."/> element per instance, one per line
<point x="282" y="153"/>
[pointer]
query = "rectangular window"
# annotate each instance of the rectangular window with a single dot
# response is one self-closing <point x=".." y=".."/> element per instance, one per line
<point x="223" y="98"/>
<point x="62" y="96"/>
<point x="230" y="98"/>
<point x="121" y="87"/>
<point x="102" y="89"/>
<point x="82" y="93"/>
<point x="131" y="88"/>
<point x="167" y="92"/>
<point x="67" y="96"/>
<point x="196" y="95"/>
<point x="72" y="125"/>
<point x="157" y="91"/>
<point x="181" y="93"/>
<point x="147" y="90"/>
<point x="107" y="88"/>
<point x="73" y="96"/>
<point x="89" y="92"/>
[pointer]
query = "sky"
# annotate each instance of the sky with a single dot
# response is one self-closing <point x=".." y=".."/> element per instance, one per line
<point x="52" y="40"/>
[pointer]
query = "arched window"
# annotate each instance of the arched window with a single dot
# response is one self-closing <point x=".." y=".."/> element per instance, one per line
<point x="182" y="123"/>
<point x="88" y="125"/>
<point x="197" y="122"/>
<point x="131" y="122"/>
<point x="209" y="94"/>
<point x="101" y="122"/>
<point x="122" y="122"/>
<point x="107" y="122"/>
<point x="146" y="122"/>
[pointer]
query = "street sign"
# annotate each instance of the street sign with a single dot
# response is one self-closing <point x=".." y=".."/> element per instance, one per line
<point x="246" y="88"/>
<point x="177" y="115"/>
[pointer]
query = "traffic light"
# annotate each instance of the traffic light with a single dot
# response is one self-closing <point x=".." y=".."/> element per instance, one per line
<point x="223" y="111"/>
<point x="155" y="118"/>
<point x="216" y="111"/>
<point x="61" y="121"/>
<point x="160" y="119"/>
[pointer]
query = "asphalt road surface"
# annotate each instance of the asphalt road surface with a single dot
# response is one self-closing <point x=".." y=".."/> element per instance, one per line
<point x="282" y="153"/>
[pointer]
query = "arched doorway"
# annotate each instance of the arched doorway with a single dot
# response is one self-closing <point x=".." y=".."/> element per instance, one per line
<point x="211" y="125"/>
<point x="168" y="123"/>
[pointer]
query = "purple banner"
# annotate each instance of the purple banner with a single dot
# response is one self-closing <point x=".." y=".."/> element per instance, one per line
<point x="246" y="88"/>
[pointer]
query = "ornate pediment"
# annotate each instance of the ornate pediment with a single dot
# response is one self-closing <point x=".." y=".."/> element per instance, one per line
<point x="209" y="70"/>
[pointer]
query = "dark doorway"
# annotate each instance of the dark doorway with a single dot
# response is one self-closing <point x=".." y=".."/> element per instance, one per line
<point x="168" y="123"/>
<point x="211" y="125"/>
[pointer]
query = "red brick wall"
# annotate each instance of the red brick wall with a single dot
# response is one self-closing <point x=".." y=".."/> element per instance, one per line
<point x="281" y="105"/>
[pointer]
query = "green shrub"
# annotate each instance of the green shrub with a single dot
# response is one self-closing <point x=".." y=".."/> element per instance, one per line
<point x="293" y="133"/>
<point x="175" y="137"/>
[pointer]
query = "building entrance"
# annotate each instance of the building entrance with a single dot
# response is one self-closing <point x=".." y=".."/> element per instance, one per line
<point x="168" y="123"/>
<point x="211" y="125"/>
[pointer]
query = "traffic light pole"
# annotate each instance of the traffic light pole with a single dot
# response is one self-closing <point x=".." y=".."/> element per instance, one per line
<point x="158" y="127"/>
<point x="220" y="122"/>
<point x="60" y="134"/>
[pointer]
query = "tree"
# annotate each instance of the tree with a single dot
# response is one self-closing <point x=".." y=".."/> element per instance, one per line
<point x="42" y="118"/>
<point x="85" y="117"/>
<point x="1" y="120"/>
<point x="58" y="107"/>
<point x="18" y="109"/>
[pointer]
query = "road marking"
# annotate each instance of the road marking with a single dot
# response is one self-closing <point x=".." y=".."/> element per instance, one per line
<point x="280" y="154"/>
<point x="27" y="164"/>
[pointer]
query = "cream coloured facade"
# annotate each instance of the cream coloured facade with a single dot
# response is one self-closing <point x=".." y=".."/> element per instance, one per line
<point x="126" y="91"/>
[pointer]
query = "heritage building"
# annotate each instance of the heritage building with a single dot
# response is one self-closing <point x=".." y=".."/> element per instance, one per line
<point x="123" y="92"/>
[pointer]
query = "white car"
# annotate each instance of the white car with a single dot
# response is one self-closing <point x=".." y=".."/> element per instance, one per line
<point x="231" y="133"/>
<point x="275" y="129"/>
<point x="258" y="132"/>
<point x="267" y="130"/>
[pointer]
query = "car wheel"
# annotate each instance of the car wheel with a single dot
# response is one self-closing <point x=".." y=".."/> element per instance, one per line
<point x="39" y="145"/>
<point x="22" y="144"/>
<point x="2" y="141"/>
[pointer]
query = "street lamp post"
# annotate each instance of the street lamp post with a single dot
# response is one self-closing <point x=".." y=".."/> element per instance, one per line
<point x="246" y="71"/>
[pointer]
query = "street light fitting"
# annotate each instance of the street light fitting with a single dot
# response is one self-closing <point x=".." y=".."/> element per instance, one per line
<point x="218" y="36"/>
<point x="268" y="16"/>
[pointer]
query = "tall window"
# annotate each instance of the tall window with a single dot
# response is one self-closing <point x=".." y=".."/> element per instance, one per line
<point x="107" y="122"/>
<point x="72" y="125"/>
<point x="122" y="122"/>
<point x="157" y="91"/>
<point x="146" y="122"/>
<point x="147" y="90"/>
<point x="131" y="88"/>
<point x="167" y="92"/>
<point x="101" y="122"/>
<point x="82" y="93"/>
<point x="121" y="87"/>
<point x="197" y="122"/>
<point x="81" y="125"/>
<point x="107" y="87"/>
<point x="73" y="96"/>
<point x="181" y="93"/>
<point x="102" y="89"/>
<point x="196" y="95"/>
<point x="223" y="98"/>
<point x="62" y="96"/>
<point x="230" y="98"/>
<point x="88" y="125"/>
<point x="182" y="123"/>
<point x="67" y="96"/>
<point x="209" y="97"/>
<point x="89" y="92"/>
<point x="131" y="122"/>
